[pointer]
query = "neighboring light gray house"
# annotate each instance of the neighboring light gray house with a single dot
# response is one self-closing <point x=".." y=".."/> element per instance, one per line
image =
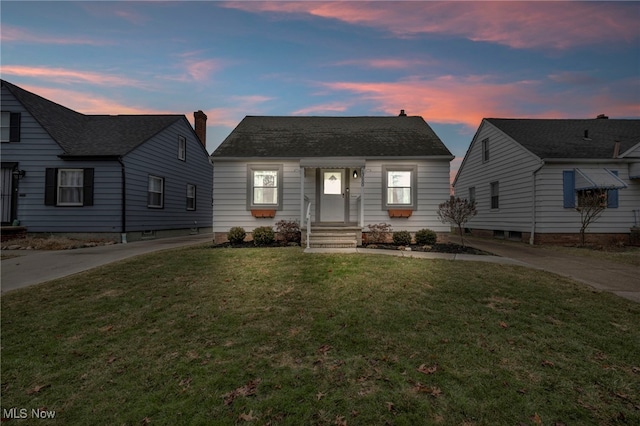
<point x="527" y="176"/>
<point x="351" y="171"/>
<point x="112" y="176"/>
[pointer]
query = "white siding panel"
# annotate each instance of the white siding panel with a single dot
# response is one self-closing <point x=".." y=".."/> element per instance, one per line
<point x="512" y="167"/>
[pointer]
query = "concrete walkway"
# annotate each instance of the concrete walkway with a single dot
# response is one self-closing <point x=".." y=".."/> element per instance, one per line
<point x="617" y="278"/>
<point x="31" y="267"/>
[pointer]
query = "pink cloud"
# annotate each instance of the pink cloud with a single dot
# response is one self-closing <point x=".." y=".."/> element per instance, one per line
<point x="385" y="63"/>
<point x="90" y="104"/>
<point x="323" y="108"/>
<point x="554" y="25"/>
<point x="68" y="76"/>
<point x="14" y="34"/>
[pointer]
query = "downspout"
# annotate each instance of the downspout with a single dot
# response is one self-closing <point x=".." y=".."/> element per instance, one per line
<point x="123" y="212"/>
<point x="533" y="203"/>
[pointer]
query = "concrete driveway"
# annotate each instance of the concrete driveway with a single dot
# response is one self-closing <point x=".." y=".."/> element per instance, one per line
<point x="616" y="278"/>
<point x="31" y="267"/>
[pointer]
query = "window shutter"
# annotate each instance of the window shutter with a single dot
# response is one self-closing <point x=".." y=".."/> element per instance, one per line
<point x="50" y="187"/>
<point x="612" y="196"/>
<point x="14" y="127"/>
<point x="568" y="188"/>
<point x="88" y="187"/>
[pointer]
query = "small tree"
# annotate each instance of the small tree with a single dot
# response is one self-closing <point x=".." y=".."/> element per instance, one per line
<point x="591" y="204"/>
<point x="457" y="211"/>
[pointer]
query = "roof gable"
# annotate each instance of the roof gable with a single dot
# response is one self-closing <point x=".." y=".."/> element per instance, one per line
<point x="298" y="137"/>
<point x="571" y="138"/>
<point x="91" y="135"/>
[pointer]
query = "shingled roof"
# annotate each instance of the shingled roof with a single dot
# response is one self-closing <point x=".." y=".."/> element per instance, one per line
<point x="571" y="138"/>
<point x="91" y="135"/>
<point x="299" y="137"/>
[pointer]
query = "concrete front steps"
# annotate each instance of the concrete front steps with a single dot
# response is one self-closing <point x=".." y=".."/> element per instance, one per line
<point x="323" y="236"/>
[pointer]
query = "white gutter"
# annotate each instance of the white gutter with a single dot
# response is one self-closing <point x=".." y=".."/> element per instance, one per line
<point x="533" y="202"/>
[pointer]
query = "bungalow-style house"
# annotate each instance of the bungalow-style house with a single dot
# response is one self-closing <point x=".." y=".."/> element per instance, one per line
<point x="118" y="177"/>
<point x="528" y="176"/>
<point x="346" y="172"/>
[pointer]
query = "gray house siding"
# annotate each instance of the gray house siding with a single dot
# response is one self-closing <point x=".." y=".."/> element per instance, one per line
<point x="36" y="152"/>
<point x="512" y="167"/>
<point x="159" y="157"/>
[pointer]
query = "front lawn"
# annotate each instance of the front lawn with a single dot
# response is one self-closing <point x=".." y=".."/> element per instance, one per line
<point x="275" y="336"/>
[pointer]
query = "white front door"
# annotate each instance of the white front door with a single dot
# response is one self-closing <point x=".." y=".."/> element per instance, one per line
<point x="332" y="195"/>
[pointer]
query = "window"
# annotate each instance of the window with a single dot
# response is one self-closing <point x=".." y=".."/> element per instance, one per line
<point x="400" y="187"/>
<point x="485" y="150"/>
<point x="68" y="187"/>
<point x="472" y="194"/>
<point x="10" y="126"/>
<point x="495" y="195"/>
<point x="191" y="197"/>
<point x="155" y="192"/>
<point x="264" y="186"/>
<point x="182" y="148"/>
<point x="592" y="197"/>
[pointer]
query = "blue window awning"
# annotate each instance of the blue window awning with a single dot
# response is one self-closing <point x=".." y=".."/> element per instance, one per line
<point x="597" y="179"/>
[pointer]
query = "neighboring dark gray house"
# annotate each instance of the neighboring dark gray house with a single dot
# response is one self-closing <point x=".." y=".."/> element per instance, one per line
<point x="527" y="177"/>
<point x="351" y="171"/>
<point x="120" y="176"/>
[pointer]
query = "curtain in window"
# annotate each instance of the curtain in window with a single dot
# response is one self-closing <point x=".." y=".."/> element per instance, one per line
<point x="265" y="187"/>
<point x="398" y="187"/>
<point x="70" y="187"/>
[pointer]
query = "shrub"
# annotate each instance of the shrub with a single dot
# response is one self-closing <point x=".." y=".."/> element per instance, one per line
<point x="402" y="238"/>
<point x="263" y="236"/>
<point x="236" y="235"/>
<point x="378" y="232"/>
<point x="289" y="230"/>
<point x="426" y="237"/>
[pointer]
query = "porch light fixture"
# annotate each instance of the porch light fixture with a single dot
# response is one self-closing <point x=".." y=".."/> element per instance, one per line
<point x="355" y="173"/>
<point x="18" y="174"/>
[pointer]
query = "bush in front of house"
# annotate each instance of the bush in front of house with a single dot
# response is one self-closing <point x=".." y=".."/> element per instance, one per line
<point x="402" y="238"/>
<point x="378" y="232"/>
<point x="236" y="235"/>
<point x="289" y="230"/>
<point x="426" y="237"/>
<point x="263" y="236"/>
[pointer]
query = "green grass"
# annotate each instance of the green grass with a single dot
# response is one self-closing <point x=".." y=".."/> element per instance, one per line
<point x="274" y="336"/>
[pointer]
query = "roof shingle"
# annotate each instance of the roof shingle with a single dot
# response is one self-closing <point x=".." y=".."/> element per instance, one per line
<point x="91" y="135"/>
<point x="298" y="137"/>
<point x="565" y="138"/>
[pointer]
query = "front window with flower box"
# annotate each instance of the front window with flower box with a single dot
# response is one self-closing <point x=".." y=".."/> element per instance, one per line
<point x="399" y="192"/>
<point x="264" y="189"/>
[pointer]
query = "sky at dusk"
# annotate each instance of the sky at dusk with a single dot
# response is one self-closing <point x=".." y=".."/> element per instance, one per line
<point x="452" y="63"/>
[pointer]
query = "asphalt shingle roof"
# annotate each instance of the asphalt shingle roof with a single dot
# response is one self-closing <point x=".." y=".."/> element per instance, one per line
<point x="565" y="138"/>
<point x="298" y="137"/>
<point x="91" y="135"/>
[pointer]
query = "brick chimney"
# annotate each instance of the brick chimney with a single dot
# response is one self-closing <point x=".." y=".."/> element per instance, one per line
<point x="200" y="122"/>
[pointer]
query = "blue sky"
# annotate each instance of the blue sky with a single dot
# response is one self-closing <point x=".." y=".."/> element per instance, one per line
<point x="452" y="63"/>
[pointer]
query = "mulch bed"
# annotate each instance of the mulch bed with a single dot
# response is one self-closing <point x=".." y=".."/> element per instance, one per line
<point x="436" y="248"/>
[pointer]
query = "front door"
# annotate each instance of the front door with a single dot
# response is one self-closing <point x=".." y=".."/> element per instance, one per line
<point x="332" y="195"/>
<point x="6" y="193"/>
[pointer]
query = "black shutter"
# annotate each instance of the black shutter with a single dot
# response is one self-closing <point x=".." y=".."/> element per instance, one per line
<point x="50" y="185"/>
<point x="14" y="127"/>
<point x="88" y="187"/>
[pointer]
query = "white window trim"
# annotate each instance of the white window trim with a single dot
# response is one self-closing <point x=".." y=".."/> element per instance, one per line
<point x="485" y="150"/>
<point x="413" y="205"/>
<point x="182" y="148"/>
<point x="496" y="185"/>
<point x="189" y="185"/>
<point x="161" y="205"/>
<point x="5" y="125"/>
<point x="251" y="168"/>
<point x="59" y="186"/>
